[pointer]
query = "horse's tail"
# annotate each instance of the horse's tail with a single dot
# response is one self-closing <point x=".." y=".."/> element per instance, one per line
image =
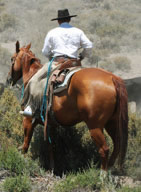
<point x="122" y="119"/>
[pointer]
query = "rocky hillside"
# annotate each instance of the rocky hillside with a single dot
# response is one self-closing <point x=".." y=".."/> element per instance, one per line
<point x="113" y="26"/>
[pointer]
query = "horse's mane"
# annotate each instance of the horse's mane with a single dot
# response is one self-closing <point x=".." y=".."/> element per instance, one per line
<point x="30" y="63"/>
<point x="31" y="55"/>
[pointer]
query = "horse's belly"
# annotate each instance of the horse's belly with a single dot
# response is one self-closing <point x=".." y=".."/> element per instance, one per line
<point x="66" y="112"/>
<point x="68" y="118"/>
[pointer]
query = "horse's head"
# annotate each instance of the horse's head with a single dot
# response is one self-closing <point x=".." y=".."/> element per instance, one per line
<point x="21" y="63"/>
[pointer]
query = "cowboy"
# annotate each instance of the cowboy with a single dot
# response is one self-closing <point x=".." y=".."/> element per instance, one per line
<point x="63" y="42"/>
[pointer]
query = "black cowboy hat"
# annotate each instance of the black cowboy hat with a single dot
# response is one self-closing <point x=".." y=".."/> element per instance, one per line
<point x="62" y="14"/>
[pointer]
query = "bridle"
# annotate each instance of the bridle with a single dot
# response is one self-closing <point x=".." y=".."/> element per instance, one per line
<point x="10" y="78"/>
<point x="13" y="59"/>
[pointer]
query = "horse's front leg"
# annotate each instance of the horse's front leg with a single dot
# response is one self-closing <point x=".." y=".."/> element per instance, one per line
<point x="28" y="132"/>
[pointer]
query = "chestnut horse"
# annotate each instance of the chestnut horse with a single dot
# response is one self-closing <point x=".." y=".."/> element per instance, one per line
<point x="95" y="96"/>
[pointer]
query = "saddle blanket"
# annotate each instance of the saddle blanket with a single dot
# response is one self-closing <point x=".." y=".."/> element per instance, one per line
<point x="66" y="82"/>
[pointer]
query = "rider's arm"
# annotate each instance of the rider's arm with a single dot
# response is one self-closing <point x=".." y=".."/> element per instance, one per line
<point x="47" y="48"/>
<point x="87" y="46"/>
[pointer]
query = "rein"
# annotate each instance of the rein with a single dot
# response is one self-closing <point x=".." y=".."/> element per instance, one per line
<point x="44" y="105"/>
<point x="22" y="93"/>
<point x="44" y="96"/>
<point x="13" y="63"/>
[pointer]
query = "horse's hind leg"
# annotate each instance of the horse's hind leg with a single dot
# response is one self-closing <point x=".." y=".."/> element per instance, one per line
<point x="99" y="138"/>
<point x="111" y="130"/>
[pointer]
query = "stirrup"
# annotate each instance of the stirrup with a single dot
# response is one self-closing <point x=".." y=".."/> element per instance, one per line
<point x="27" y="112"/>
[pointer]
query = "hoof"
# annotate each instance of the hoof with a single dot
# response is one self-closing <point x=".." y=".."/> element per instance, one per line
<point x="20" y="148"/>
<point x="23" y="151"/>
<point x="103" y="175"/>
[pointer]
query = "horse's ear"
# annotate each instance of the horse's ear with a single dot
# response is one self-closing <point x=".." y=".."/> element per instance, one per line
<point x="28" y="46"/>
<point x="17" y="47"/>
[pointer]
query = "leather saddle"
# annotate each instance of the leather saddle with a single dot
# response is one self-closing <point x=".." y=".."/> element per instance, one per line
<point x="63" y="68"/>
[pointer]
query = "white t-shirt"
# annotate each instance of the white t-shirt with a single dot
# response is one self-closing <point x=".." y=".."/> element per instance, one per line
<point x="66" y="40"/>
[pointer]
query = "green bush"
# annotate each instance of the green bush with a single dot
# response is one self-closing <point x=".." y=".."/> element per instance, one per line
<point x="10" y="119"/>
<point x="107" y="6"/>
<point x="97" y="56"/>
<point x="111" y="30"/>
<point x="12" y="160"/>
<point x="6" y="21"/>
<point x="122" y="63"/>
<point x="66" y="149"/>
<point x="107" y="65"/>
<point x="72" y="145"/>
<point x="118" y="63"/>
<point x="127" y="189"/>
<point x="4" y="56"/>
<point x="90" y="180"/>
<point x="17" y="184"/>
<point x="73" y="148"/>
<point x="2" y="5"/>
<point x="87" y="180"/>
<point x="111" y="44"/>
<point x="133" y="157"/>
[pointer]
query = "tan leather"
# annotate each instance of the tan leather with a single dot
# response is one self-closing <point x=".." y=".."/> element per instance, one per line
<point x="68" y="63"/>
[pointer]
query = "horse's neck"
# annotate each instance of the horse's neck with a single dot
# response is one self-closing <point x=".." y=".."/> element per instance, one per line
<point x="29" y="72"/>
